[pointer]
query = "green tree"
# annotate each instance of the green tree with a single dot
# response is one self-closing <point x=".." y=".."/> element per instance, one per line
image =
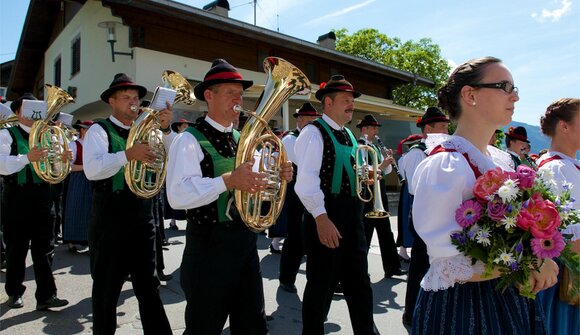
<point x="422" y="58"/>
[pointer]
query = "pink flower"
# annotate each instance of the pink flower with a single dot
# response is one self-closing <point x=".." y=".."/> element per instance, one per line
<point x="486" y="185"/>
<point x="496" y="209"/>
<point x="540" y="216"/>
<point x="525" y="176"/>
<point x="468" y="213"/>
<point x="548" y="248"/>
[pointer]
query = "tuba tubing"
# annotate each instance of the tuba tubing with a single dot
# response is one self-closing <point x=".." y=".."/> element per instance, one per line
<point x="260" y="210"/>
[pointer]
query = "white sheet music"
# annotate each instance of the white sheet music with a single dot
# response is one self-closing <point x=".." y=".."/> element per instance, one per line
<point x="161" y="96"/>
<point x="34" y="109"/>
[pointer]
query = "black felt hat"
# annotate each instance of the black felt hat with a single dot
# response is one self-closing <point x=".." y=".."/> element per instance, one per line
<point x="368" y="120"/>
<point x="306" y="110"/>
<point x="220" y="72"/>
<point x="122" y="82"/>
<point x="15" y="105"/>
<point x="337" y="83"/>
<point x="518" y="133"/>
<point x="432" y="114"/>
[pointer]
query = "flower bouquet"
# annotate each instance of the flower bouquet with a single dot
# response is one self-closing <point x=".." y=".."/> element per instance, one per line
<point x="514" y="222"/>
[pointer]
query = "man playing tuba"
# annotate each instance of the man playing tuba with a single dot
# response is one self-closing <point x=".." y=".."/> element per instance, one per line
<point x="220" y="270"/>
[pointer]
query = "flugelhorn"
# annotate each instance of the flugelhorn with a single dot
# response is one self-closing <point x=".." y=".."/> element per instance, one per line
<point x="260" y="210"/>
<point x="385" y="153"/>
<point x="363" y="180"/>
<point x="146" y="179"/>
<point x="45" y="134"/>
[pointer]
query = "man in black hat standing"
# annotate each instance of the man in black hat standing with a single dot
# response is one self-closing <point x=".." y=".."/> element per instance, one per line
<point x="334" y="232"/>
<point x="369" y="128"/>
<point x="294" y="209"/>
<point x="122" y="228"/>
<point x="432" y="122"/>
<point x="26" y="214"/>
<point x="516" y="141"/>
<point x="220" y="270"/>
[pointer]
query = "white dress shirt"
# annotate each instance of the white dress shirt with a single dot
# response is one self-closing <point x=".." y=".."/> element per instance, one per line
<point x="11" y="164"/>
<point x="186" y="187"/>
<point x="441" y="183"/>
<point x="289" y="141"/>
<point x="409" y="162"/>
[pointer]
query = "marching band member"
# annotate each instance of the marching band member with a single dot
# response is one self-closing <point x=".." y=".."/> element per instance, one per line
<point x="336" y="247"/>
<point x="122" y="228"/>
<point x="220" y="270"/>
<point x="369" y="128"/>
<point x="26" y="215"/>
<point x="432" y="122"/>
<point x="516" y="140"/>
<point x="561" y="123"/>
<point x="293" y="208"/>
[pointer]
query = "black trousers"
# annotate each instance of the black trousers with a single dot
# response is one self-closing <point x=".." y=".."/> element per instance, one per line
<point x="346" y="264"/>
<point x="417" y="269"/>
<point x="293" y="250"/>
<point x="28" y="222"/>
<point x="220" y="275"/>
<point x="121" y="242"/>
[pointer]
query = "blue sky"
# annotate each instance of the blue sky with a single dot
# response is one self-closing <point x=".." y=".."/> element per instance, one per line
<point x="539" y="40"/>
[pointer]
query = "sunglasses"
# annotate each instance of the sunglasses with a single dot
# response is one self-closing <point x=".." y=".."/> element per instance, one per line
<point x="505" y="85"/>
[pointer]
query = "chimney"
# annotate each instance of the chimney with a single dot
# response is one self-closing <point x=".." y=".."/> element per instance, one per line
<point x="219" y="7"/>
<point x="327" y="40"/>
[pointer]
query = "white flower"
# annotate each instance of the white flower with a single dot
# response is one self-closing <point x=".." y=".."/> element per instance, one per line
<point x="508" y="191"/>
<point x="567" y="186"/>
<point x="482" y="237"/>
<point x="545" y="175"/>
<point x="506" y="257"/>
<point x="508" y="222"/>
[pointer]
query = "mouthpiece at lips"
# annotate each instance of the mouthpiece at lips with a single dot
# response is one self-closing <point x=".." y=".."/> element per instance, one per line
<point x="134" y="108"/>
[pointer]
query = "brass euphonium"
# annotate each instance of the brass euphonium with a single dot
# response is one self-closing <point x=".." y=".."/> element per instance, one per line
<point x="146" y="179"/>
<point x="9" y="121"/>
<point x="283" y="81"/>
<point x="45" y="134"/>
<point x="362" y="170"/>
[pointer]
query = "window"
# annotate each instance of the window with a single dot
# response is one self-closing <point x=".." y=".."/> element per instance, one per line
<point x="57" y="70"/>
<point x="75" y="56"/>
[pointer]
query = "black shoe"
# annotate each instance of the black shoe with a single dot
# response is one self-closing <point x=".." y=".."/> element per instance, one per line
<point x="163" y="277"/>
<point x="408" y="322"/>
<point x="51" y="303"/>
<point x="274" y="251"/>
<point x="338" y="288"/>
<point x="291" y="288"/>
<point x="398" y="272"/>
<point x="15" y="301"/>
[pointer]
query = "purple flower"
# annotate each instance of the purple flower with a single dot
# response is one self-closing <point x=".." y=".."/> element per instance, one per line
<point x="458" y="238"/>
<point x="468" y="213"/>
<point x="519" y="247"/>
<point x="496" y="209"/>
<point x="510" y="208"/>
<point x="526" y="176"/>
<point x="550" y="247"/>
<point x="514" y="267"/>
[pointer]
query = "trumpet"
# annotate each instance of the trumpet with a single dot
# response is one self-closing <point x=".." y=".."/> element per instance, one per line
<point x="363" y="179"/>
<point x="385" y="153"/>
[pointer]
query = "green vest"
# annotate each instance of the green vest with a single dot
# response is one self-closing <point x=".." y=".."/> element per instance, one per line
<point x="117" y="144"/>
<point x="22" y="149"/>
<point x="343" y="156"/>
<point x="220" y="164"/>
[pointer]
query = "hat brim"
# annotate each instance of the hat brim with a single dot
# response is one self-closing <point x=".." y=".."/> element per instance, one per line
<point x="517" y="137"/>
<point x="324" y="91"/>
<point x="432" y="120"/>
<point x="365" y="124"/>
<point x="304" y="114"/>
<point x="200" y="88"/>
<point x="108" y="92"/>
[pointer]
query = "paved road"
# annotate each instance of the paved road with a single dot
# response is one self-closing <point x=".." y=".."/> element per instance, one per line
<point x="74" y="283"/>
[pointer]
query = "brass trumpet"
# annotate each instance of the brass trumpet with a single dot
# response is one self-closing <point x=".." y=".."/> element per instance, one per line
<point x="284" y="80"/>
<point x="362" y="170"/>
<point x="45" y="134"/>
<point x="146" y="179"/>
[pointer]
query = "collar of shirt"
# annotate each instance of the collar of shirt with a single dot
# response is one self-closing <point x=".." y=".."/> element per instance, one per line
<point x="218" y="126"/>
<point x="25" y="128"/>
<point x="331" y="122"/>
<point x="365" y="139"/>
<point x="512" y="153"/>
<point x="119" y="123"/>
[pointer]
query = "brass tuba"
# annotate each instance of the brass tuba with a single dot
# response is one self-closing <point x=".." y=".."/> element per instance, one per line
<point x="362" y="170"/>
<point x="284" y="80"/>
<point x="45" y="134"/>
<point x="146" y="179"/>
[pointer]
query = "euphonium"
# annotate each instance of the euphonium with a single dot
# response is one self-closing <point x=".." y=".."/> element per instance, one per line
<point x="9" y="121"/>
<point x="45" y="134"/>
<point x="284" y="80"/>
<point x="146" y="179"/>
<point x="362" y="170"/>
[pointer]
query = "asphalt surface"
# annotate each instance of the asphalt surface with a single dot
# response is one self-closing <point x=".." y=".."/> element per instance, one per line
<point x="73" y="281"/>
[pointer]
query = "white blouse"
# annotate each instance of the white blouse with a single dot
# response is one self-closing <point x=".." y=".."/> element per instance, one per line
<point x="440" y="184"/>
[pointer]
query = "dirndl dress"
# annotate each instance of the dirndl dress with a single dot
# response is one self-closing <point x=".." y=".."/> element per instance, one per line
<point x="79" y="199"/>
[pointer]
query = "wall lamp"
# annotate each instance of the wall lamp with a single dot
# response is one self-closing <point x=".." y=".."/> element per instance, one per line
<point x="112" y="38"/>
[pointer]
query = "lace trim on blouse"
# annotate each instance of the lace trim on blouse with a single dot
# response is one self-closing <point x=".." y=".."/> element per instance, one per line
<point x="445" y="272"/>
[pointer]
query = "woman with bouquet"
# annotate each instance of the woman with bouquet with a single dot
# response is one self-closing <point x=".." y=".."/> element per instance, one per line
<point x="561" y="123"/>
<point x="457" y="296"/>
